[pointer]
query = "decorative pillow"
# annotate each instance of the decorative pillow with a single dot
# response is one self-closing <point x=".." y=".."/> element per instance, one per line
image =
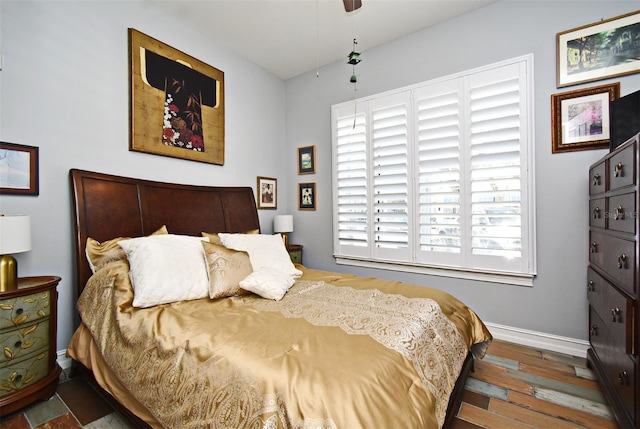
<point x="268" y="283"/>
<point x="227" y="267"/>
<point x="99" y="255"/>
<point x="265" y="251"/>
<point x="166" y="268"/>
<point x="215" y="239"/>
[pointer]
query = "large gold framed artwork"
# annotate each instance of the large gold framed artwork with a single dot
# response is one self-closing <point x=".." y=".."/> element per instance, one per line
<point x="176" y="105"/>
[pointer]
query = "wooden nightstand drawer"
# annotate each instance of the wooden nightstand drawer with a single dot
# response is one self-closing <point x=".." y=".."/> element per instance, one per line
<point x="18" y="343"/>
<point x="18" y="375"/>
<point x="20" y="310"/>
<point x="295" y="253"/>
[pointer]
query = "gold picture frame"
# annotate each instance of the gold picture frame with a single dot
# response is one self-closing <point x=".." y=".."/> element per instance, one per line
<point x="580" y="119"/>
<point x="306" y="196"/>
<point x="307" y="160"/>
<point x="598" y="51"/>
<point x="176" y="105"/>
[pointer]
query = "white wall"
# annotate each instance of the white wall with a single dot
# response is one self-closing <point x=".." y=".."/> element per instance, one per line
<point x="557" y="302"/>
<point x="65" y="89"/>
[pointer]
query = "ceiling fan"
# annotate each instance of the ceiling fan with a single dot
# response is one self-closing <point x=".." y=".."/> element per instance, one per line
<point x="351" y="5"/>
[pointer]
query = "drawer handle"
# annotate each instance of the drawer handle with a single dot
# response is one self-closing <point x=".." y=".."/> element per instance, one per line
<point x="594" y="330"/>
<point x="594" y="247"/>
<point x="596" y="179"/>
<point x="619" y="214"/>
<point x="617" y="170"/>
<point x="623" y="378"/>
<point x="596" y="213"/>
<point x="615" y="314"/>
<point x="622" y="261"/>
<point x="591" y="286"/>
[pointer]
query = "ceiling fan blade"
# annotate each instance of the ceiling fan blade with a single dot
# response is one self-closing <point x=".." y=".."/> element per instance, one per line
<point x="351" y="5"/>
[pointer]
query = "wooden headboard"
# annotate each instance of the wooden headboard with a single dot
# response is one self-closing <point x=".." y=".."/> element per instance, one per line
<point x="107" y="206"/>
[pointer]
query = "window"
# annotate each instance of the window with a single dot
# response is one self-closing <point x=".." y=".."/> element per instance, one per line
<point x="438" y="177"/>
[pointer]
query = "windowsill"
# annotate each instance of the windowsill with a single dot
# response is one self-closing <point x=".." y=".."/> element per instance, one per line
<point x="485" y="276"/>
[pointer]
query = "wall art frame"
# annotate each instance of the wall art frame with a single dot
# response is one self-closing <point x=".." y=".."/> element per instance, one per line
<point x="307" y="160"/>
<point x="19" y="169"/>
<point x="306" y="196"/>
<point x="176" y="102"/>
<point x="580" y="118"/>
<point x="267" y="190"/>
<point x="597" y="51"/>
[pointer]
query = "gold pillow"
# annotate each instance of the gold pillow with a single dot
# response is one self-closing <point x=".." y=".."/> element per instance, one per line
<point x="213" y="237"/>
<point x="227" y="268"/>
<point x="102" y="254"/>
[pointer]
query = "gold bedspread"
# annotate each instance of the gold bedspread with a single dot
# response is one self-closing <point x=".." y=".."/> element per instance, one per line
<point x="337" y="351"/>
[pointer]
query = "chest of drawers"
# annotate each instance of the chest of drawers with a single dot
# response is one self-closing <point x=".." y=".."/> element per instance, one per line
<point x="28" y="367"/>
<point x="612" y="279"/>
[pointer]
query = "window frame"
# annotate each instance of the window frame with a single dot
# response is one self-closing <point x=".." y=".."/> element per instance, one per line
<point x="366" y="256"/>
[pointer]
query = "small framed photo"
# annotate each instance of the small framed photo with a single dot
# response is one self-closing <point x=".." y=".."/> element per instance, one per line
<point x="598" y="51"/>
<point x="19" y="169"/>
<point x="267" y="193"/>
<point x="306" y="196"/>
<point x="580" y="119"/>
<point x="307" y="160"/>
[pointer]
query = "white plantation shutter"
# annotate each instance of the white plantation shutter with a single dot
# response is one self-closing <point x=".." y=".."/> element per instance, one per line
<point x="352" y="203"/>
<point x="389" y="141"/>
<point x="439" y="175"/>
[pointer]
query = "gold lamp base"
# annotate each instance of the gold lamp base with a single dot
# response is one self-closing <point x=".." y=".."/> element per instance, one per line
<point x="285" y="238"/>
<point x="8" y="273"/>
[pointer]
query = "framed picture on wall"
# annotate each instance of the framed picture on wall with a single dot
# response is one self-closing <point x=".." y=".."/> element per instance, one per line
<point x="580" y="119"/>
<point x="267" y="188"/>
<point x="307" y="160"/>
<point x="19" y="169"/>
<point x="306" y="196"/>
<point x="598" y="51"/>
<point x="176" y="102"/>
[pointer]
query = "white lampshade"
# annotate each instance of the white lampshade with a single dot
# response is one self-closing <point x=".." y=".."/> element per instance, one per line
<point x="283" y="223"/>
<point x="15" y="234"/>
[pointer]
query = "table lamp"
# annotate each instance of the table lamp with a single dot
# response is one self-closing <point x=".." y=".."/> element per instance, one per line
<point x="284" y="225"/>
<point x="15" y="237"/>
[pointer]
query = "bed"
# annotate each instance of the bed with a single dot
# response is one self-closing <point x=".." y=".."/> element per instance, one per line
<point x="334" y="350"/>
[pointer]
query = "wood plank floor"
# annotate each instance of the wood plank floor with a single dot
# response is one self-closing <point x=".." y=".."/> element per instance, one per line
<point x="520" y="387"/>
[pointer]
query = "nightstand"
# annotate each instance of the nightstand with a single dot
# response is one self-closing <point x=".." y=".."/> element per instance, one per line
<point x="28" y="327"/>
<point x="295" y="253"/>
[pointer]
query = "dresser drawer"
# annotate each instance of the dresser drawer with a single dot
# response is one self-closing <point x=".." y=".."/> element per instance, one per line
<point x="614" y="256"/>
<point x="597" y="174"/>
<point x="18" y="311"/>
<point x="622" y="168"/>
<point x="597" y="290"/>
<point x="622" y="214"/>
<point x="619" y="312"/>
<point x="597" y="213"/>
<point x="18" y="343"/>
<point x="17" y="375"/>
<point x="621" y="371"/>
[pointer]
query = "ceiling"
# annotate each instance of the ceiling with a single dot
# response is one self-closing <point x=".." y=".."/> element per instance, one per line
<point x="290" y="37"/>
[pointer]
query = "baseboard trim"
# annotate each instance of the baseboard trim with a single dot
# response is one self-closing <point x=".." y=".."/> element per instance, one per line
<point x="539" y="340"/>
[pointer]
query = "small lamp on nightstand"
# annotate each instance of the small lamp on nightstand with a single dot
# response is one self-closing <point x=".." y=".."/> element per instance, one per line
<point x="15" y="237"/>
<point x="284" y="225"/>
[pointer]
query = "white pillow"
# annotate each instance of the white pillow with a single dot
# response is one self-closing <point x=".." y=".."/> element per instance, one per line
<point x="265" y="251"/>
<point x="268" y="283"/>
<point x="166" y="268"/>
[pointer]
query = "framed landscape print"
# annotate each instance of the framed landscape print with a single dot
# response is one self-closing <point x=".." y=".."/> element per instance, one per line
<point x="19" y="169"/>
<point x="176" y="102"/>
<point x="580" y="119"/>
<point x="598" y="51"/>
<point x="307" y="160"/>
<point x="306" y="196"/>
<point x="267" y="189"/>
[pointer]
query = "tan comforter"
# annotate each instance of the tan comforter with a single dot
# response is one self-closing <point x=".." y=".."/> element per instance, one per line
<point x="337" y="351"/>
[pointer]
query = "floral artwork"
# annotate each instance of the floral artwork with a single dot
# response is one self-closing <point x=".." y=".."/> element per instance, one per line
<point x="177" y="103"/>
<point x="580" y="119"/>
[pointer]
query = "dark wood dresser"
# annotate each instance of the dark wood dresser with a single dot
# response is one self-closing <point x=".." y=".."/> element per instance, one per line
<point x="612" y="279"/>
